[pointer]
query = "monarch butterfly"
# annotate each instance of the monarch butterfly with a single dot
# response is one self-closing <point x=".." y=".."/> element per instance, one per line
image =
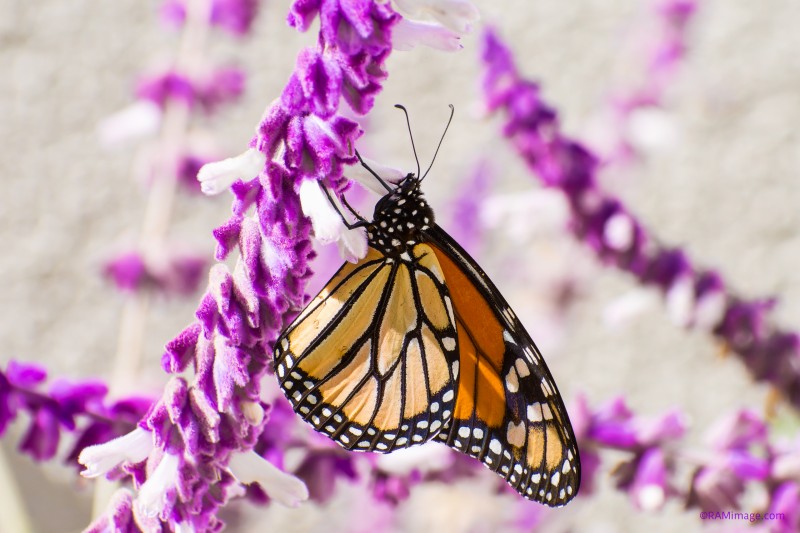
<point x="415" y="343"/>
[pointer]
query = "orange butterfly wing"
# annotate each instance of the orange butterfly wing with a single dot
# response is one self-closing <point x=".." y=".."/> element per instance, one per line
<point x="508" y="411"/>
<point x="371" y="362"/>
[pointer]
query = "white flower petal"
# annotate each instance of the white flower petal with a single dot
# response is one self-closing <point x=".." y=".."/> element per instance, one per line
<point x="407" y="34"/>
<point x="458" y="15"/>
<point x="328" y="225"/>
<point x="651" y="497"/>
<point x="136" y="121"/>
<point x="429" y="457"/>
<point x="390" y="175"/>
<point x="284" y="488"/>
<point x="710" y="309"/>
<point x="353" y="244"/>
<point x="618" y="232"/>
<point x="680" y="301"/>
<point x="628" y="306"/>
<point x="652" y="128"/>
<point x="154" y="491"/>
<point x="220" y="175"/>
<point x="102" y="458"/>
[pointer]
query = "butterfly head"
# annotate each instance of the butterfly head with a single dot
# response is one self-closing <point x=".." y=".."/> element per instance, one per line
<point x="399" y="219"/>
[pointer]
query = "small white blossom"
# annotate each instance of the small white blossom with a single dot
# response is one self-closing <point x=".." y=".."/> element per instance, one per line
<point x="137" y="121"/>
<point x="512" y="212"/>
<point x="457" y="15"/>
<point x="407" y="34"/>
<point x="390" y="175"/>
<point x="328" y="224"/>
<point x="154" y="492"/>
<point x="284" y="488"/>
<point x="680" y="301"/>
<point x="651" y="128"/>
<point x="618" y="232"/>
<point x="220" y="175"/>
<point x="628" y="306"/>
<point x="102" y="458"/>
<point x="651" y="497"/>
<point x="428" y="457"/>
<point x="710" y="309"/>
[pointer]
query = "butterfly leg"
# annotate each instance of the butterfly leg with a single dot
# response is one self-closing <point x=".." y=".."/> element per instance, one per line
<point x="361" y="221"/>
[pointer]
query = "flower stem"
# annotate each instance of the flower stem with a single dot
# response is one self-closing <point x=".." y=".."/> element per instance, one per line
<point x="15" y="515"/>
<point x="157" y="217"/>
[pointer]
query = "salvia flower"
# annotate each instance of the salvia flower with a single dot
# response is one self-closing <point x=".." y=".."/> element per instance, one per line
<point x="213" y="88"/>
<point x="206" y="423"/>
<point x="77" y="409"/>
<point x="234" y="16"/>
<point x="118" y="517"/>
<point x="637" y="119"/>
<point x="173" y="273"/>
<point x="695" y="296"/>
<point x="100" y="459"/>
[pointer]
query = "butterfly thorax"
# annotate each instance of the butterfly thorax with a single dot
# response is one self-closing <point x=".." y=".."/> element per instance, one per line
<point x="400" y="218"/>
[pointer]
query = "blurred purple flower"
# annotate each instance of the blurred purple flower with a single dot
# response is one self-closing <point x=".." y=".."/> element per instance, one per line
<point x="189" y="165"/>
<point x="176" y="274"/>
<point x="785" y="503"/>
<point x="693" y="296"/>
<point x="637" y="119"/>
<point x="77" y="408"/>
<point x="219" y="86"/>
<point x="467" y="228"/>
<point x="321" y="469"/>
<point x="118" y="516"/>
<point x="233" y="16"/>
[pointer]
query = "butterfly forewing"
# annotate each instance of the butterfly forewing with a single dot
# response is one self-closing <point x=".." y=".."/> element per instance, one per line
<point x="367" y="363"/>
<point x="508" y="411"/>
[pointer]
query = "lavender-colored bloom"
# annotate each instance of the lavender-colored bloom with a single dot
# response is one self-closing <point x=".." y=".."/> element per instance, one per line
<point x="234" y="16"/>
<point x="203" y="428"/>
<point x="118" y="517"/>
<point x="645" y="475"/>
<point x="637" y="119"/>
<point x="467" y="227"/>
<point x="786" y="503"/>
<point x="694" y="296"/>
<point x="219" y="86"/>
<point x="64" y="407"/>
<point x="178" y="274"/>
<point x="648" y="487"/>
<point x="166" y="86"/>
<point x="320" y="470"/>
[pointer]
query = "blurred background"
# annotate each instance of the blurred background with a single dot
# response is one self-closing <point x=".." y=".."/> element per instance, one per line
<point x="713" y="169"/>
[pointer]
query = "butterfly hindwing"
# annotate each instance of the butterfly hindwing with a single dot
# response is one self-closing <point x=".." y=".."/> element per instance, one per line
<point x="370" y="361"/>
<point x="508" y="411"/>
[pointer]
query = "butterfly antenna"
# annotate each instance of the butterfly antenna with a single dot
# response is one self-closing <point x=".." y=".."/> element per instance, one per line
<point x="408" y="123"/>
<point x="452" y="112"/>
<point x="375" y="174"/>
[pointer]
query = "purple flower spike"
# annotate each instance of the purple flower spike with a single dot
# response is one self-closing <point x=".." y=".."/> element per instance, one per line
<point x="118" y="517"/>
<point x="233" y="16"/>
<point x="714" y="489"/>
<point x="194" y="449"/>
<point x="786" y="503"/>
<point x="25" y="375"/>
<point x="174" y="273"/>
<point x="737" y="431"/>
<point x="649" y="487"/>
<point x="694" y="297"/>
<point x="65" y="409"/>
